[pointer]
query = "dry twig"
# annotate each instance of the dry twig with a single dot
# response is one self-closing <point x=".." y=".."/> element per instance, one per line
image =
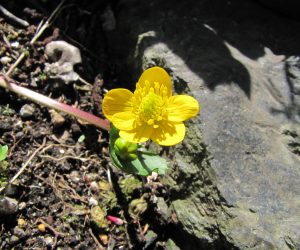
<point x="52" y="229"/>
<point x="36" y="37"/>
<point x="11" y="16"/>
<point x="26" y="164"/>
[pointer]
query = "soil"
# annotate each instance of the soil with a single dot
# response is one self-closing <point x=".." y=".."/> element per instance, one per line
<point x="68" y="168"/>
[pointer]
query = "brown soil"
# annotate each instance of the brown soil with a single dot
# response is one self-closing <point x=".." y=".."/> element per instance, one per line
<point x="63" y="172"/>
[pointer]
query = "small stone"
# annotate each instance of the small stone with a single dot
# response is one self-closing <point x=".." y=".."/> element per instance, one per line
<point x="27" y="111"/>
<point x="15" y="44"/>
<point x="94" y="186"/>
<point x="104" y="238"/>
<point x="150" y="237"/>
<point x="163" y="209"/>
<point x="5" y="60"/>
<point x="49" y="241"/>
<point x="56" y="118"/>
<point x="91" y="177"/>
<point x="74" y="176"/>
<point x="19" y="232"/>
<point x="11" y="190"/>
<point x="22" y="205"/>
<point x="22" y="222"/>
<point x="41" y="227"/>
<point x="66" y="56"/>
<point x="19" y="135"/>
<point x="8" y="206"/>
<point x="170" y="245"/>
<point x="14" y="239"/>
<point x="93" y="201"/>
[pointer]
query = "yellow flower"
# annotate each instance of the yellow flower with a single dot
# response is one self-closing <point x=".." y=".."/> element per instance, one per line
<point x="151" y="112"/>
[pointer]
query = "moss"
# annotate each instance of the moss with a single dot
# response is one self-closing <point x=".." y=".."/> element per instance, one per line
<point x="129" y="186"/>
<point x="98" y="217"/>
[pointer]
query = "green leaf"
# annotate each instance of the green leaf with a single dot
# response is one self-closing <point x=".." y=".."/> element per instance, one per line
<point x="3" y="152"/>
<point x="145" y="163"/>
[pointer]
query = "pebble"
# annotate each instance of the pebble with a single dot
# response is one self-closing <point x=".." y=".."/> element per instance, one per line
<point x="15" y="44"/>
<point x="27" y="111"/>
<point x="14" y="239"/>
<point x="93" y="201"/>
<point x="74" y="176"/>
<point x="41" y="227"/>
<point x="11" y="190"/>
<point x="94" y="186"/>
<point x="56" y="118"/>
<point x="8" y="206"/>
<point x="49" y="241"/>
<point x="19" y="232"/>
<point x="5" y="60"/>
<point x="22" y="205"/>
<point x="22" y="222"/>
<point x="19" y="135"/>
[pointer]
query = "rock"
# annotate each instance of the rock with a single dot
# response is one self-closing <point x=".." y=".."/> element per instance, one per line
<point x="5" y="60"/>
<point x="13" y="239"/>
<point x="19" y="232"/>
<point x="170" y="245"/>
<point x="93" y="202"/>
<point x="75" y="177"/>
<point x="150" y="238"/>
<point x="49" y="241"/>
<point x="27" y="111"/>
<point x="65" y="56"/>
<point x="56" y="118"/>
<point x="8" y="206"/>
<point x="163" y="209"/>
<point x="11" y="190"/>
<point x="235" y="182"/>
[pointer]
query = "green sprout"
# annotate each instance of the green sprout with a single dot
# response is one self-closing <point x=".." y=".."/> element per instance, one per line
<point x="3" y="152"/>
<point x="3" y="165"/>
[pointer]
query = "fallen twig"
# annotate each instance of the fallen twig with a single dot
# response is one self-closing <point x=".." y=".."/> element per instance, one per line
<point x="26" y="164"/>
<point x="11" y="16"/>
<point x="35" y="38"/>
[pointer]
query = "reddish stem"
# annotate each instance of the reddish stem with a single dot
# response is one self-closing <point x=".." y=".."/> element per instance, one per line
<point x="51" y="103"/>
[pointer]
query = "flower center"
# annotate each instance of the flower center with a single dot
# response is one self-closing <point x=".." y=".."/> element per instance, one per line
<point x="151" y="109"/>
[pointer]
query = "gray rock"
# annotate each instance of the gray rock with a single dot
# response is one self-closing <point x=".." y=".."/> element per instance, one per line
<point x="8" y="206"/>
<point x="170" y="245"/>
<point x="13" y="239"/>
<point x="19" y="232"/>
<point x="236" y="181"/>
<point x="63" y="67"/>
<point x="5" y="60"/>
<point x="150" y="237"/>
<point x="27" y="111"/>
<point x="163" y="209"/>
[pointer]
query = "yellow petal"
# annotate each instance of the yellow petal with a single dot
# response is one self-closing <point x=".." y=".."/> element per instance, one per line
<point x="116" y="101"/>
<point x="182" y="107"/>
<point x="156" y="74"/>
<point x="123" y="120"/>
<point x="138" y="134"/>
<point x="168" y="134"/>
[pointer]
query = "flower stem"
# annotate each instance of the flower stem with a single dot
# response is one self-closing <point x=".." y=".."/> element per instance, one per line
<point x="51" y="103"/>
